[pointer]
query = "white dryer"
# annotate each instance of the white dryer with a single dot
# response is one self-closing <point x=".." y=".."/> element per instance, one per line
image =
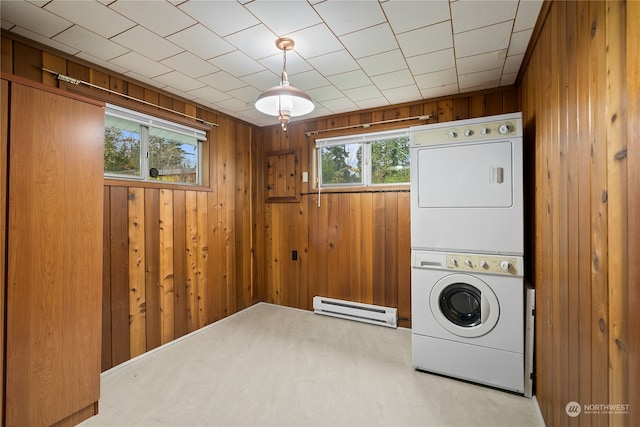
<point x="468" y="317"/>
<point x="466" y="185"/>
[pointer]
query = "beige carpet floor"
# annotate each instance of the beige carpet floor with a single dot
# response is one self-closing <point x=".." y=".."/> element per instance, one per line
<point x="276" y="366"/>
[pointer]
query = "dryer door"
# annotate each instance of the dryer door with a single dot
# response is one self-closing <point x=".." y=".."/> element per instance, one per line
<point x="464" y="305"/>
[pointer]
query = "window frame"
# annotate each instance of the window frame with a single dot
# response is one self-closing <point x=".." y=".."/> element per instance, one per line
<point x="147" y="121"/>
<point x="365" y="139"/>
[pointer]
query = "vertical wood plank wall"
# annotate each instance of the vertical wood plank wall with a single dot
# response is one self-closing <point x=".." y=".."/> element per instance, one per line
<point x="352" y="245"/>
<point x="175" y="260"/>
<point x="574" y="96"/>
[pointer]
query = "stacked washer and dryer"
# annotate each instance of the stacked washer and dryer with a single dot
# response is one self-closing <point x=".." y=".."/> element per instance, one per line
<point x="467" y="238"/>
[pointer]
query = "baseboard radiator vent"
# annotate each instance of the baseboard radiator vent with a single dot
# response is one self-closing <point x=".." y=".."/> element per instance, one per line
<point x="375" y="314"/>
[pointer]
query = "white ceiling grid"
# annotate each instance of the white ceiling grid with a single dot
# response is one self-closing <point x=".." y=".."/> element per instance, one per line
<point x="349" y="55"/>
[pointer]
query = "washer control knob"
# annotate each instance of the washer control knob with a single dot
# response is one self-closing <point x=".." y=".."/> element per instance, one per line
<point x="506" y="266"/>
<point x="505" y="128"/>
<point x="452" y="135"/>
<point x="484" y="131"/>
<point x="468" y="132"/>
<point x="454" y="262"/>
<point x="468" y="263"/>
<point x="484" y="264"/>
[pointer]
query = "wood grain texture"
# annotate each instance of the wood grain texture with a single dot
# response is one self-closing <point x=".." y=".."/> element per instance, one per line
<point x="573" y="92"/>
<point x="4" y="136"/>
<point x="137" y="272"/>
<point x="55" y="222"/>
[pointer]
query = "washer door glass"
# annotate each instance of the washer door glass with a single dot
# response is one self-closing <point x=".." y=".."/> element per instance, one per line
<point x="464" y="305"/>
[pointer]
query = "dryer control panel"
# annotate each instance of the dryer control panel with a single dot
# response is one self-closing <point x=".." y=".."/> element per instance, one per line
<point x="485" y="263"/>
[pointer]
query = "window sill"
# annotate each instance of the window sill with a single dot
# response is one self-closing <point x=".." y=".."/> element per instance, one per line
<point x="159" y="185"/>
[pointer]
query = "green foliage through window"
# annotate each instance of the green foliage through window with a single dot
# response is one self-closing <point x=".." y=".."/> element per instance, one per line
<point x="371" y="159"/>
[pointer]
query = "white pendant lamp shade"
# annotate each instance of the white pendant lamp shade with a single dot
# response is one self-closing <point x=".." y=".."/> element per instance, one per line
<point x="284" y="101"/>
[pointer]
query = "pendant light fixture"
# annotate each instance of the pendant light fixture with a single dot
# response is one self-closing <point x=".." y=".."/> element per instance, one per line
<point x="284" y="101"/>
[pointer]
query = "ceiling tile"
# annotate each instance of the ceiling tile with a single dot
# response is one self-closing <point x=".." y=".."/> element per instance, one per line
<point x="334" y="63"/>
<point x="383" y="63"/>
<point x="32" y="18"/>
<point x="140" y="64"/>
<point x="295" y="64"/>
<point x="93" y="16"/>
<point x="308" y="80"/>
<point x="91" y="43"/>
<point x="348" y="16"/>
<point x="147" y="43"/>
<point x="201" y="42"/>
<point x="436" y="92"/>
<point x="221" y="17"/>
<point x="315" y="41"/>
<point x="512" y="64"/>
<point x="162" y="18"/>
<point x="437" y="79"/>
<point x="350" y="79"/>
<point x="179" y="81"/>
<point x="101" y="62"/>
<point x="430" y="62"/>
<point x="508" y="79"/>
<point x="209" y="94"/>
<point x="277" y="15"/>
<point x="190" y="65"/>
<point x="402" y="94"/>
<point x="393" y="79"/>
<point x="519" y="42"/>
<point x="481" y="62"/>
<point x="370" y="41"/>
<point x="257" y="41"/>
<point x="409" y="15"/>
<point x="224" y="80"/>
<point x="363" y="93"/>
<point x="140" y="78"/>
<point x="339" y="105"/>
<point x="262" y="80"/>
<point x="528" y="11"/>
<point x="236" y="63"/>
<point x="247" y="94"/>
<point x="372" y="103"/>
<point x="324" y="93"/>
<point x="481" y="79"/>
<point x="468" y="14"/>
<point x="426" y="39"/>
<point x="485" y="39"/>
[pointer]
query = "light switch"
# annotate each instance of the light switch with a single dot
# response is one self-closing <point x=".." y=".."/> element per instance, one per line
<point x="305" y="176"/>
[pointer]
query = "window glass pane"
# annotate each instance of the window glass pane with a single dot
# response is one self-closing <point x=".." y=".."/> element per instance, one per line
<point x="121" y="147"/>
<point x="390" y="161"/>
<point x="341" y="164"/>
<point x="172" y="157"/>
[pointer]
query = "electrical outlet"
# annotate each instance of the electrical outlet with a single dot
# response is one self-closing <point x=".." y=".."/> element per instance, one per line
<point x="305" y="176"/>
<point x="294" y="255"/>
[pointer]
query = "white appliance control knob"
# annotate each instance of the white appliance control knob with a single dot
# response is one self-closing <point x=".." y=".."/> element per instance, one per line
<point x="468" y="263"/>
<point x="505" y="266"/>
<point x="484" y="264"/>
<point x="452" y="134"/>
<point x="505" y="128"/>
<point x="454" y="262"/>
<point x="468" y="132"/>
<point x="484" y="131"/>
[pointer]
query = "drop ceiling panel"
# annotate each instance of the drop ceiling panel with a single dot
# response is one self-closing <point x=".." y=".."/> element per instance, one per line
<point x="348" y="55"/>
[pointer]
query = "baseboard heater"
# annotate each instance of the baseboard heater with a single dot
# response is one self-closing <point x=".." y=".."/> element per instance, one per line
<point x="375" y="314"/>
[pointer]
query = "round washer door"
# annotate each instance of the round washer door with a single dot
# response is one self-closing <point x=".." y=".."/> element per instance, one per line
<point x="464" y="305"/>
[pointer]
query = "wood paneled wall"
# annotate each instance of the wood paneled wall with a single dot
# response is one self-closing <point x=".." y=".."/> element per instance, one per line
<point x="175" y="258"/>
<point x="574" y="95"/>
<point x="353" y="245"/>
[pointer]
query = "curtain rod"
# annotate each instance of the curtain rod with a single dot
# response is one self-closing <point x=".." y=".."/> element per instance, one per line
<point x="367" y="125"/>
<point x="77" y="82"/>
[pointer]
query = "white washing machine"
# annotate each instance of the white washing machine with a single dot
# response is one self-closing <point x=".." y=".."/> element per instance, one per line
<point x="468" y="317"/>
<point x="466" y="185"/>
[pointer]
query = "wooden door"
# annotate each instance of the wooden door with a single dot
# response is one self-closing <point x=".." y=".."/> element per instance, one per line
<point x="4" y="107"/>
<point x="54" y="265"/>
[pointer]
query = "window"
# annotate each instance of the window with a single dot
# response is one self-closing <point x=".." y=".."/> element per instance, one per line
<point x="142" y="147"/>
<point x="379" y="158"/>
